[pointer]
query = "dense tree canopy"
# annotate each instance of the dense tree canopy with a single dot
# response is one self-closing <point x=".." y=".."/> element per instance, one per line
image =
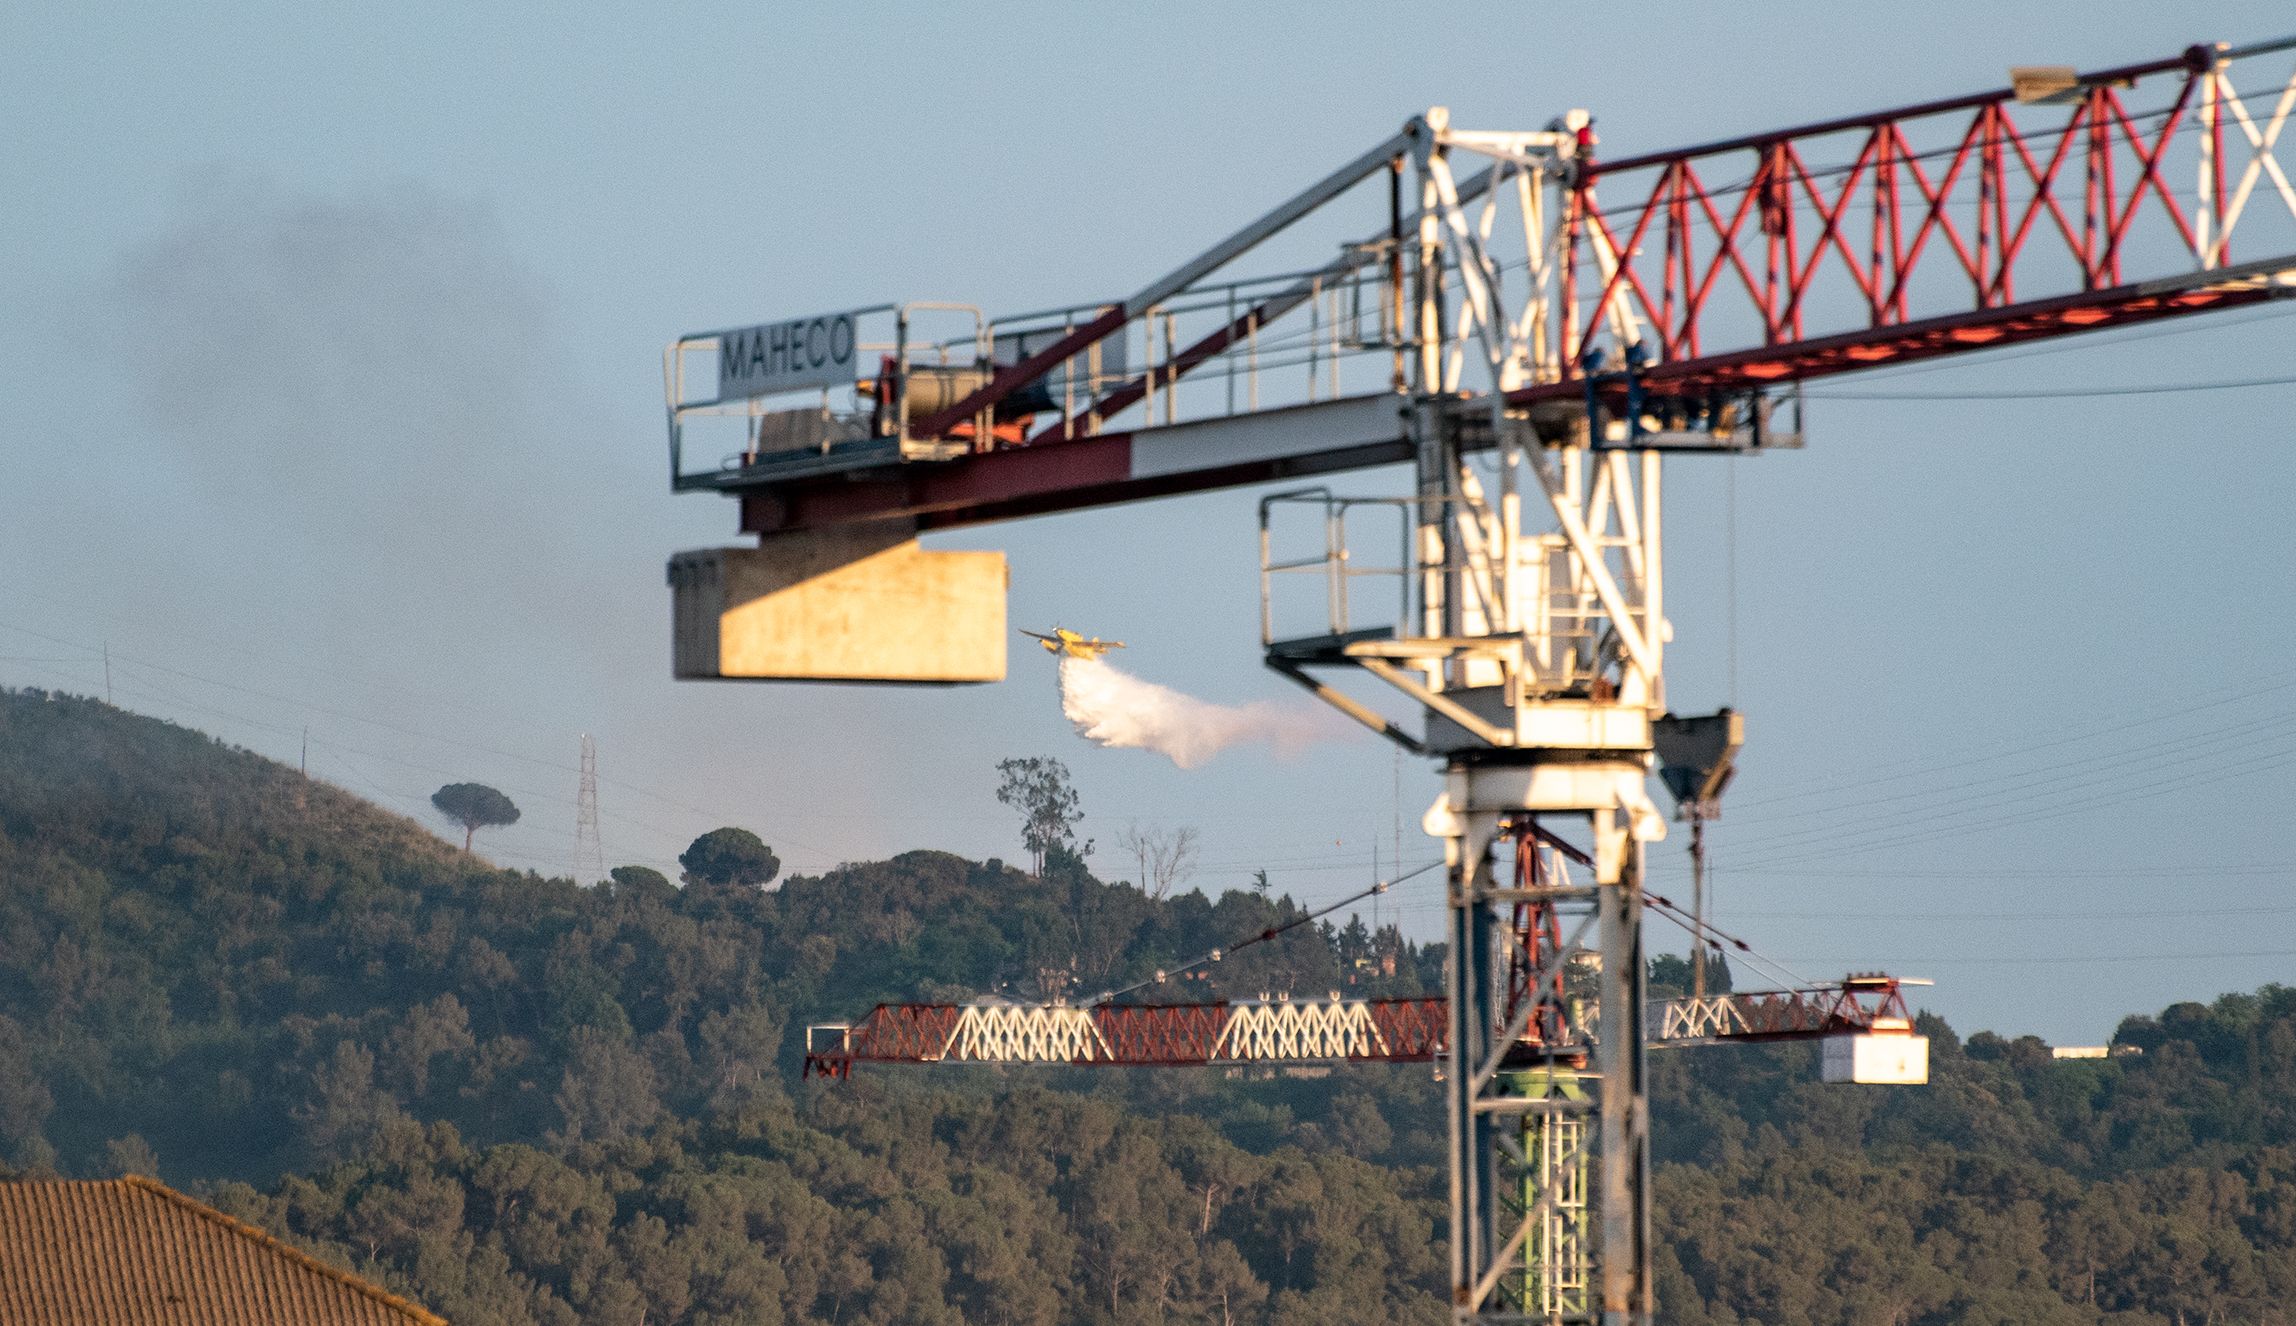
<point x="640" y="879"/>
<point x="256" y="986"/>
<point x="735" y="858"/>
<point x="524" y="1101"/>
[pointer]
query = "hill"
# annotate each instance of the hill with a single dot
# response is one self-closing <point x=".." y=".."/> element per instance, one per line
<point x="525" y="1101"/>
<point x="205" y="957"/>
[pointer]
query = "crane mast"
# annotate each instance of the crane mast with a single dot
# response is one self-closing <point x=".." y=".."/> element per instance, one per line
<point x="1534" y="329"/>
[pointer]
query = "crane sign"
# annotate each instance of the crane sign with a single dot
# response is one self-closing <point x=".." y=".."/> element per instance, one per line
<point x="1533" y="327"/>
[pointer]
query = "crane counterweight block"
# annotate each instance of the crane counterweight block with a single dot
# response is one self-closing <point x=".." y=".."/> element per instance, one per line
<point x="860" y="603"/>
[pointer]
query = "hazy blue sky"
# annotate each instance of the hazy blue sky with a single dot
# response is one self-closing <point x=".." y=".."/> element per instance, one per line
<point x="330" y="379"/>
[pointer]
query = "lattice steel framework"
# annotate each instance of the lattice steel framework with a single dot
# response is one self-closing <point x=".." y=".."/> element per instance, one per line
<point x="1530" y="325"/>
<point x="1667" y="289"/>
<point x="1302" y="1031"/>
<point x="1327" y="1031"/>
<point x="589" y="846"/>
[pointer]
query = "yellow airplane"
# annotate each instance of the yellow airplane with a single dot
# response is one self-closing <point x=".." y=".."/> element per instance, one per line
<point x="1064" y="641"/>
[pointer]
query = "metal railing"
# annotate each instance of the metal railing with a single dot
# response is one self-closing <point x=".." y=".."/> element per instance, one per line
<point x="1334" y="563"/>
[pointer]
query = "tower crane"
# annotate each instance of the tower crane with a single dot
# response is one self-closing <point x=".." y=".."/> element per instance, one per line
<point x="1289" y="1032"/>
<point x="1533" y="327"/>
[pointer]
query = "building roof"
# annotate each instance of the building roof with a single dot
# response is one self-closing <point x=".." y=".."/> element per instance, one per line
<point x="134" y="1252"/>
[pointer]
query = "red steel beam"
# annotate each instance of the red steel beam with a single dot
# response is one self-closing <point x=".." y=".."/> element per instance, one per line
<point x="1978" y="198"/>
<point x="1947" y="334"/>
<point x="1061" y="476"/>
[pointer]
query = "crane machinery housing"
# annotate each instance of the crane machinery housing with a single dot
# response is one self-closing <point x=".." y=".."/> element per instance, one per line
<point x="1533" y="328"/>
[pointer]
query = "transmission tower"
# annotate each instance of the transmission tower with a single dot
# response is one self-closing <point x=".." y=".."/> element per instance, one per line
<point x="589" y="850"/>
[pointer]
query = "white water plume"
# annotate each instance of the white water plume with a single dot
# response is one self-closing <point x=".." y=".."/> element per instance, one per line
<point x="1111" y="707"/>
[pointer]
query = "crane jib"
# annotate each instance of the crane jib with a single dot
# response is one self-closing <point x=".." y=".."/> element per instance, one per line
<point x="2066" y="202"/>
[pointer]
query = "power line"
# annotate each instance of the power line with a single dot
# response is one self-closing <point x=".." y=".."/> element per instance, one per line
<point x="1211" y="956"/>
<point x="2024" y="785"/>
<point x="2183" y="868"/>
<point x="2204" y="778"/>
<point x="2027" y="960"/>
<point x="1949" y="915"/>
<point x="399" y="728"/>
<point x="414" y="804"/>
<point x="416" y="801"/>
<point x="1706" y="932"/>
<point x="2270" y="684"/>
<point x="165" y="696"/>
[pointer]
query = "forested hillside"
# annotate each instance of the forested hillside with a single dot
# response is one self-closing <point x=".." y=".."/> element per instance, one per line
<point x="251" y="974"/>
<point x="525" y="1101"/>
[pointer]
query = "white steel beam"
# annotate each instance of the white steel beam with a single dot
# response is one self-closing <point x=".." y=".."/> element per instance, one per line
<point x="1268" y="226"/>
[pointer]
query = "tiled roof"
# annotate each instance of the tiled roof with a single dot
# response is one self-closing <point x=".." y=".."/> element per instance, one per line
<point x="132" y="1252"/>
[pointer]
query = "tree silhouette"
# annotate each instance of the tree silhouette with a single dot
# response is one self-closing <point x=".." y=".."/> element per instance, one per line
<point x="640" y="880"/>
<point x="730" y="856"/>
<point x="1049" y="807"/>
<point x="474" y="806"/>
<point x="1165" y="856"/>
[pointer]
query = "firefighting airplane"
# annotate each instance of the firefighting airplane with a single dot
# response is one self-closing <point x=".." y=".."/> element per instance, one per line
<point x="1067" y="642"/>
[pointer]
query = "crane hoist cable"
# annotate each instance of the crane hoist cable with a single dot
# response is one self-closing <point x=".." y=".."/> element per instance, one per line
<point x="1707" y="930"/>
<point x="1211" y="956"/>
